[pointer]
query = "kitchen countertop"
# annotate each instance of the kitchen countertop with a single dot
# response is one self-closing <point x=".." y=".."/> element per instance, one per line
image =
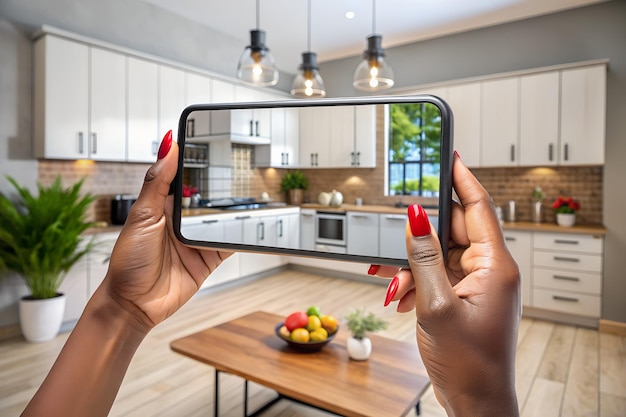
<point x="590" y="229"/>
<point x="365" y="209"/>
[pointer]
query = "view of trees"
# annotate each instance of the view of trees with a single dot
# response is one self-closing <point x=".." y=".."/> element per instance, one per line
<point x="414" y="149"/>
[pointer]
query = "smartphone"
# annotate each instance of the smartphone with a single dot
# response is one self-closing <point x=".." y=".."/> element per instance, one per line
<point x="214" y="138"/>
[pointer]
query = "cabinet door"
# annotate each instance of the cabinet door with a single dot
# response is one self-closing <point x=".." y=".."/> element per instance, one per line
<point x="287" y="231"/>
<point x="292" y="137"/>
<point x="392" y="242"/>
<point x="583" y="105"/>
<point x="171" y="98"/>
<point x="143" y="137"/>
<point x="362" y="233"/>
<point x="260" y="231"/>
<point x="342" y="152"/>
<point x="520" y="245"/>
<point x="314" y="136"/>
<point x="500" y="122"/>
<point x="61" y="76"/>
<point x="365" y="137"/>
<point x="539" y="118"/>
<point x="307" y="229"/>
<point x="277" y="147"/>
<point x="204" y="229"/>
<point x="465" y="103"/>
<point x="107" y="133"/>
<point x="197" y="89"/>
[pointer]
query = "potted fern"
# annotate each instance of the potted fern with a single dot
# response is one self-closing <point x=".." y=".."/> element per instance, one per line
<point x="360" y="323"/>
<point x="41" y="238"/>
<point x="294" y="183"/>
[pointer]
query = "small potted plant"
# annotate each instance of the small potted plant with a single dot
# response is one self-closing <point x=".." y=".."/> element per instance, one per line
<point x="294" y="183"/>
<point x="537" y="208"/>
<point x="565" y="209"/>
<point x="360" y="323"/>
<point x="188" y="191"/>
<point x="41" y="238"/>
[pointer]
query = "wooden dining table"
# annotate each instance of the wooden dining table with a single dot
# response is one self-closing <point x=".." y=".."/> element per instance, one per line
<point x="389" y="383"/>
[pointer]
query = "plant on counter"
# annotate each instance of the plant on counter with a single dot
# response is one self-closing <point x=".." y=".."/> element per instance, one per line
<point x="41" y="238"/>
<point x="294" y="180"/>
<point x="565" y="205"/>
<point x="537" y="194"/>
<point x="189" y="190"/>
<point x="359" y="346"/>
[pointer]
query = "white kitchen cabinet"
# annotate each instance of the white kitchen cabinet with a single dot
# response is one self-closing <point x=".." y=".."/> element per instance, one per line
<point x="255" y="263"/>
<point x="197" y="89"/>
<point x="228" y="270"/>
<point x="79" y="110"/>
<point x="364" y="155"/>
<point x="583" y="110"/>
<point x="204" y="228"/>
<point x="261" y="230"/>
<point x="171" y="98"/>
<point x="143" y="110"/>
<point x="465" y="101"/>
<point x="519" y="244"/>
<point x="307" y="229"/>
<point x="341" y="152"/>
<point x="567" y="273"/>
<point x="499" y="115"/>
<point x="362" y="233"/>
<point x="253" y="122"/>
<point x="539" y="118"/>
<point x="288" y="231"/>
<point x="392" y="241"/>
<point x="284" y="149"/>
<point x="315" y="131"/>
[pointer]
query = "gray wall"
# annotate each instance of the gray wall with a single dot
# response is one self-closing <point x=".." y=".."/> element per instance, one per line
<point x="597" y="31"/>
<point x="592" y="32"/>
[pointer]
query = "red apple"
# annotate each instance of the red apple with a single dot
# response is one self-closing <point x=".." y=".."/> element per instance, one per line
<point x="295" y="320"/>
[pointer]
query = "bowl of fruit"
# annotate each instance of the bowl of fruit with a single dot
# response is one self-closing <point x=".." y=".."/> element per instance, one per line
<point x="307" y="331"/>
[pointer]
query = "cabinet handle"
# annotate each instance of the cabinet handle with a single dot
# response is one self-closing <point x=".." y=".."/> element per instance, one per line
<point x="261" y="231"/>
<point x="512" y="153"/>
<point x="358" y="158"/>
<point x="242" y="217"/>
<point x="251" y="127"/>
<point x="359" y="216"/>
<point x="510" y="239"/>
<point x="286" y="158"/>
<point x="312" y="163"/>
<point x="565" y="278"/>
<point x="566" y="259"/>
<point x="306" y="214"/>
<point x="566" y="242"/>
<point x="352" y="161"/>
<point x="316" y="159"/>
<point x="81" y="145"/>
<point x="94" y="143"/>
<point x="280" y="228"/>
<point x="155" y="147"/>
<point x="566" y="152"/>
<point x="550" y="152"/>
<point x="256" y="128"/>
<point x="395" y="217"/>
<point x="568" y="299"/>
<point x="209" y="221"/>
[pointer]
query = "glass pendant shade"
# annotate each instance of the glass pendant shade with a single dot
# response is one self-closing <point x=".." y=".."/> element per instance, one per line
<point x="256" y="64"/>
<point x="373" y="73"/>
<point x="308" y="82"/>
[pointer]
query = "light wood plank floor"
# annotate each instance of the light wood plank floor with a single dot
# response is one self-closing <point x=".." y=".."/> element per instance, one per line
<point x="561" y="370"/>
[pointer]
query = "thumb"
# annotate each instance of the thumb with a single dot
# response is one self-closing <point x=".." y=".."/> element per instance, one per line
<point x="434" y="297"/>
<point x="151" y="201"/>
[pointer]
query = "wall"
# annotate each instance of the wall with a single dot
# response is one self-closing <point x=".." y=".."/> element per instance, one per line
<point x="586" y="33"/>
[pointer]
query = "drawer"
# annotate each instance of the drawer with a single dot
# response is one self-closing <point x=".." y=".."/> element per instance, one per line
<point x="573" y="261"/>
<point x="565" y="302"/>
<point x="576" y="281"/>
<point x="568" y="242"/>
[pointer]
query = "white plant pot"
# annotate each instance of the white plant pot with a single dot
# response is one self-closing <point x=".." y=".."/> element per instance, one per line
<point x="41" y="320"/>
<point x="359" y="349"/>
<point x="566" y="219"/>
<point x="186" y="202"/>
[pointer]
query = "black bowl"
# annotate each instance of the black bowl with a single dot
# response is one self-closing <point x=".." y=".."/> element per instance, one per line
<point x="304" y="347"/>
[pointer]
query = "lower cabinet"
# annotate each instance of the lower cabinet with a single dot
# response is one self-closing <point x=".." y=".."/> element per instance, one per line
<point x="307" y="229"/>
<point x="392" y="241"/>
<point x="520" y="245"/>
<point x="362" y="233"/>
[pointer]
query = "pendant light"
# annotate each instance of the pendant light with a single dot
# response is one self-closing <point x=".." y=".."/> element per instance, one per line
<point x="256" y="64"/>
<point x="373" y="73"/>
<point x="308" y="81"/>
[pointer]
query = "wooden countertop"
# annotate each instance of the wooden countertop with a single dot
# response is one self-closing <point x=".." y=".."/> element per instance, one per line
<point x="364" y="209"/>
<point x="591" y="229"/>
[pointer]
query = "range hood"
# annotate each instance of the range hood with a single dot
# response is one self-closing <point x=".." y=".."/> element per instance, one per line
<point x="236" y="126"/>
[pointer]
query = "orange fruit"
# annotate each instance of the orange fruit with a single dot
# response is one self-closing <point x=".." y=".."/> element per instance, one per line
<point x="330" y="323"/>
<point x="314" y="323"/>
<point x="300" y="335"/>
<point x="319" y="335"/>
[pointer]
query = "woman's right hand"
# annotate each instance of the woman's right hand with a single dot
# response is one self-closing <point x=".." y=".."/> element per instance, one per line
<point x="467" y="308"/>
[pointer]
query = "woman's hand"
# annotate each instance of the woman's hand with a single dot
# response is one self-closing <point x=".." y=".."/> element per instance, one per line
<point x="468" y="308"/>
<point x="152" y="274"/>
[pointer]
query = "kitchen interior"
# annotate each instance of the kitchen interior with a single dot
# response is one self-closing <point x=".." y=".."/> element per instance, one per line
<point x="473" y="68"/>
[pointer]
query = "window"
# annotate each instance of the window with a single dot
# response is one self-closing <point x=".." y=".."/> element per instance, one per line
<point x="414" y="149"/>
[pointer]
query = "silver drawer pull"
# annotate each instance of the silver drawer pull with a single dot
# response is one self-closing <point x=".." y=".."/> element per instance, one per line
<point x="359" y="216"/>
<point x="509" y="239"/>
<point x="306" y="214"/>
<point x="396" y="217"/>
<point x="568" y="299"/>
<point x="209" y="221"/>
<point x="566" y="259"/>
<point x="566" y="242"/>
<point x="242" y="217"/>
<point x="565" y="278"/>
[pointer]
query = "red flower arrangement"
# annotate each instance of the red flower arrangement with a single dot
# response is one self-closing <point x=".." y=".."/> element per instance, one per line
<point x="565" y="205"/>
<point x="188" y="190"/>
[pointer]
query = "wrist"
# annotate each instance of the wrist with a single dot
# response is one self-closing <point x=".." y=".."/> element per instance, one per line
<point x="498" y="403"/>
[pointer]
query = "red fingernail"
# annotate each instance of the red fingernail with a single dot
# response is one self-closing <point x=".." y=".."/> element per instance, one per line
<point x="391" y="290"/>
<point x="373" y="269"/>
<point x="418" y="220"/>
<point x="166" y="145"/>
<point x="457" y="154"/>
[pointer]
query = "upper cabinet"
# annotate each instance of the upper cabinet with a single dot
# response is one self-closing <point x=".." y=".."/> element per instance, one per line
<point x="143" y="111"/>
<point x="79" y="99"/>
<point x="464" y="99"/>
<point x="583" y="107"/>
<point x="500" y="122"/>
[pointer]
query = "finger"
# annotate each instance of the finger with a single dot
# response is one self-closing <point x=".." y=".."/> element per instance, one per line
<point x="383" y="271"/>
<point x="433" y="293"/>
<point x="458" y="231"/>
<point x="153" y="197"/>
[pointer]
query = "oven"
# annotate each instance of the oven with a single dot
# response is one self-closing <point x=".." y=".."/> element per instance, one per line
<point x="330" y="231"/>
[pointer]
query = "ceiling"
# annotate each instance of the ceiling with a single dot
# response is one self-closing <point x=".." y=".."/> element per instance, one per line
<point x="334" y="36"/>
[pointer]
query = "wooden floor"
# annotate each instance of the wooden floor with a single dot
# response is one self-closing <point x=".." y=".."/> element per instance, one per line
<point x="561" y="370"/>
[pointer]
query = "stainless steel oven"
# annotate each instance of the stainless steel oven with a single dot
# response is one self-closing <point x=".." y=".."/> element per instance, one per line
<point x="330" y="231"/>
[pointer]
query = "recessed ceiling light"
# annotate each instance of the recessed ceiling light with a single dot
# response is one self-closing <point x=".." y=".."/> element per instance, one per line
<point x="349" y="15"/>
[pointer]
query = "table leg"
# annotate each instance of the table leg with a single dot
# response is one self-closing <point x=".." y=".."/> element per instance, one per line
<point x="417" y="408"/>
<point x="216" y="394"/>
